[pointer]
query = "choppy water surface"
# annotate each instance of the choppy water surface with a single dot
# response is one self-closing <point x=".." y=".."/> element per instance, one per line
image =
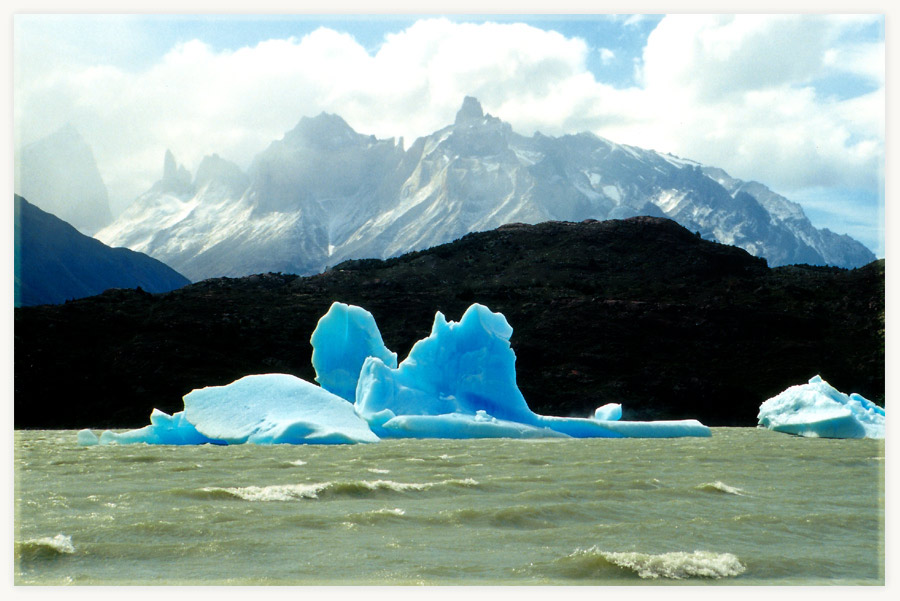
<point x="746" y="506"/>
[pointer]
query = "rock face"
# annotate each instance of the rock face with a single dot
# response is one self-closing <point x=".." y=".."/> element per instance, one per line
<point x="59" y="175"/>
<point x="639" y="312"/>
<point x="55" y="263"/>
<point x="325" y="193"/>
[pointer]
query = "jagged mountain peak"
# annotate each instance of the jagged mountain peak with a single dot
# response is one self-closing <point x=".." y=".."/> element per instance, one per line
<point x="325" y="193"/>
<point x="215" y="169"/>
<point x="470" y="111"/>
<point x="176" y="179"/>
<point x="59" y="174"/>
<point x="68" y="134"/>
<point x="326" y="131"/>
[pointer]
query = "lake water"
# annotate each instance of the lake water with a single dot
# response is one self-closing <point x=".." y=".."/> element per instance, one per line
<point x="744" y="507"/>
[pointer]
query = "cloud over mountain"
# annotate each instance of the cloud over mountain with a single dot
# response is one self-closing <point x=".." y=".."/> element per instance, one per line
<point x="749" y="93"/>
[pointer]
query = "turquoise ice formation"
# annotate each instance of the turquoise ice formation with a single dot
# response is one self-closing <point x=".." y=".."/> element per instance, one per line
<point x="342" y="340"/>
<point x="818" y="410"/>
<point x="459" y="382"/>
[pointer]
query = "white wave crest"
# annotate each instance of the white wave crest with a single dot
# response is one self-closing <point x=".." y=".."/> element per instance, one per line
<point x="292" y="492"/>
<point x="719" y="486"/>
<point x="389" y="511"/>
<point x="678" y="565"/>
<point x="61" y="543"/>
<point x="277" y="492"/>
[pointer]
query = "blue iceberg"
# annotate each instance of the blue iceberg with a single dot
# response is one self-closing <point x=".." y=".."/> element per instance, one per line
<point x="818" y="410"/>
<point x="163" y="429"/>
<point x="272" y="409"/>
<point x="459" y="382"/>
<point x="342" y="341"/>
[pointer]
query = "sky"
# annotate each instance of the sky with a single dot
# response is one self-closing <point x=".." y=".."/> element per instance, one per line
<point x="796" y="102"/>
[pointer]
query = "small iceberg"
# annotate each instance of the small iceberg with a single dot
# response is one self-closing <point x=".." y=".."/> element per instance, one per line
<point x="818" y="410"/>
<point x="459" y="382"/>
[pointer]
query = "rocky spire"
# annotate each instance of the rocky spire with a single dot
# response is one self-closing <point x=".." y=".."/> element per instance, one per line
<point x="470" y="111"/>
<point x="176" y="179"/>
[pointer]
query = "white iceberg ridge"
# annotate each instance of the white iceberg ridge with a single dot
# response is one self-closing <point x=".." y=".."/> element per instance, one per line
<point x="459" y="382"/>
<point x="818" y="410"/>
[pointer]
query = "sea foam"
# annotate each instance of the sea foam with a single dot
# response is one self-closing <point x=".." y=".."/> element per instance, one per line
<point x="46" y="547"/>
<point x="720" y="487"/>
<point x="348" y="488"/>
<point x="676" y="565"/>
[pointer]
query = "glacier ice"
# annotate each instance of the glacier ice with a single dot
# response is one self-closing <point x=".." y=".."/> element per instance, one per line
<point x="459" y="382"/>
<point x="274" y="408"/>
<point x="817" y="409"/>
<point x="163" y="429"/>
<point x="609" y="412"/>
<point x="460" y="368"/>
<point x="344" y="337"/>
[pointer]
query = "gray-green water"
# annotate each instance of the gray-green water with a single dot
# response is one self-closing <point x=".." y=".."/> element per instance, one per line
<point x="746" y="506"/>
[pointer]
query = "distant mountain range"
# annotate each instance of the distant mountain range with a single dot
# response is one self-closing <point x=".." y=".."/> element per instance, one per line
<point x="638" y="311"/>
<point x="54" y="262"/>
<point x="325" y="193"/>
<point x="59" y="175"/>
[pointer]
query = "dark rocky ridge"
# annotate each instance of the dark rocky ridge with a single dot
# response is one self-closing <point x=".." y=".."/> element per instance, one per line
<point x="55" y="262"/>
<point x="639" y="311"/>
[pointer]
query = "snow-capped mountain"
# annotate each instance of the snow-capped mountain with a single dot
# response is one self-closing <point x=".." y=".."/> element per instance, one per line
<point x="325" y="193"/>
<point x="59" y="174"/>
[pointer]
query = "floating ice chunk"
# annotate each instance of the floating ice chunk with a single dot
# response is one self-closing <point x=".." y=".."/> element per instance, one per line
<point x="87" y="438"/>
<point x="274" y="408"/>
<point x="460" y="382"/>
<point x="461" y="367"/>
<point x="608" y="412"/>
<point x="344" y="337"/>
<point x="816" y="409"/>
<point x="163" y="429"/>
<point x="459" y="425"/>
<point x="594" y="428"/>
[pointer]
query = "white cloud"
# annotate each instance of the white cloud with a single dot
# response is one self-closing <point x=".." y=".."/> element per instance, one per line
<point x="735" y="92"/>
<point x="744" y="86"/>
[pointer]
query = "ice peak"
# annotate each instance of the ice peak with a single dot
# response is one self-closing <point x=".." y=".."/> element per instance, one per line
<point x="471" y="110"/>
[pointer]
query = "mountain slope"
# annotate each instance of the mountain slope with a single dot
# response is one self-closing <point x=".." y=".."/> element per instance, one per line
<point x="59" y="175"/>
<point x="638" y="311"/>
<point x="324" y="194"/>
<point x="55" y="263"/>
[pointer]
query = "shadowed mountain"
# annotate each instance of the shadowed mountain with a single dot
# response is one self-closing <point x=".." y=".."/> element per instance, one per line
<point x="638" y="311"/>
<point x="56" y="263"/>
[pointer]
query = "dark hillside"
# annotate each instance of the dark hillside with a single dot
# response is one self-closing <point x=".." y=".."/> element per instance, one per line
<point x="639" y="311"/>
<point x="55" y="262"/>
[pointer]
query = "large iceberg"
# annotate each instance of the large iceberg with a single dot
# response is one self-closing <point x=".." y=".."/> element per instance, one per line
<point x="818" y="410"/>
<point x="274" y="408"/>
<point x="459" y="382"/>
